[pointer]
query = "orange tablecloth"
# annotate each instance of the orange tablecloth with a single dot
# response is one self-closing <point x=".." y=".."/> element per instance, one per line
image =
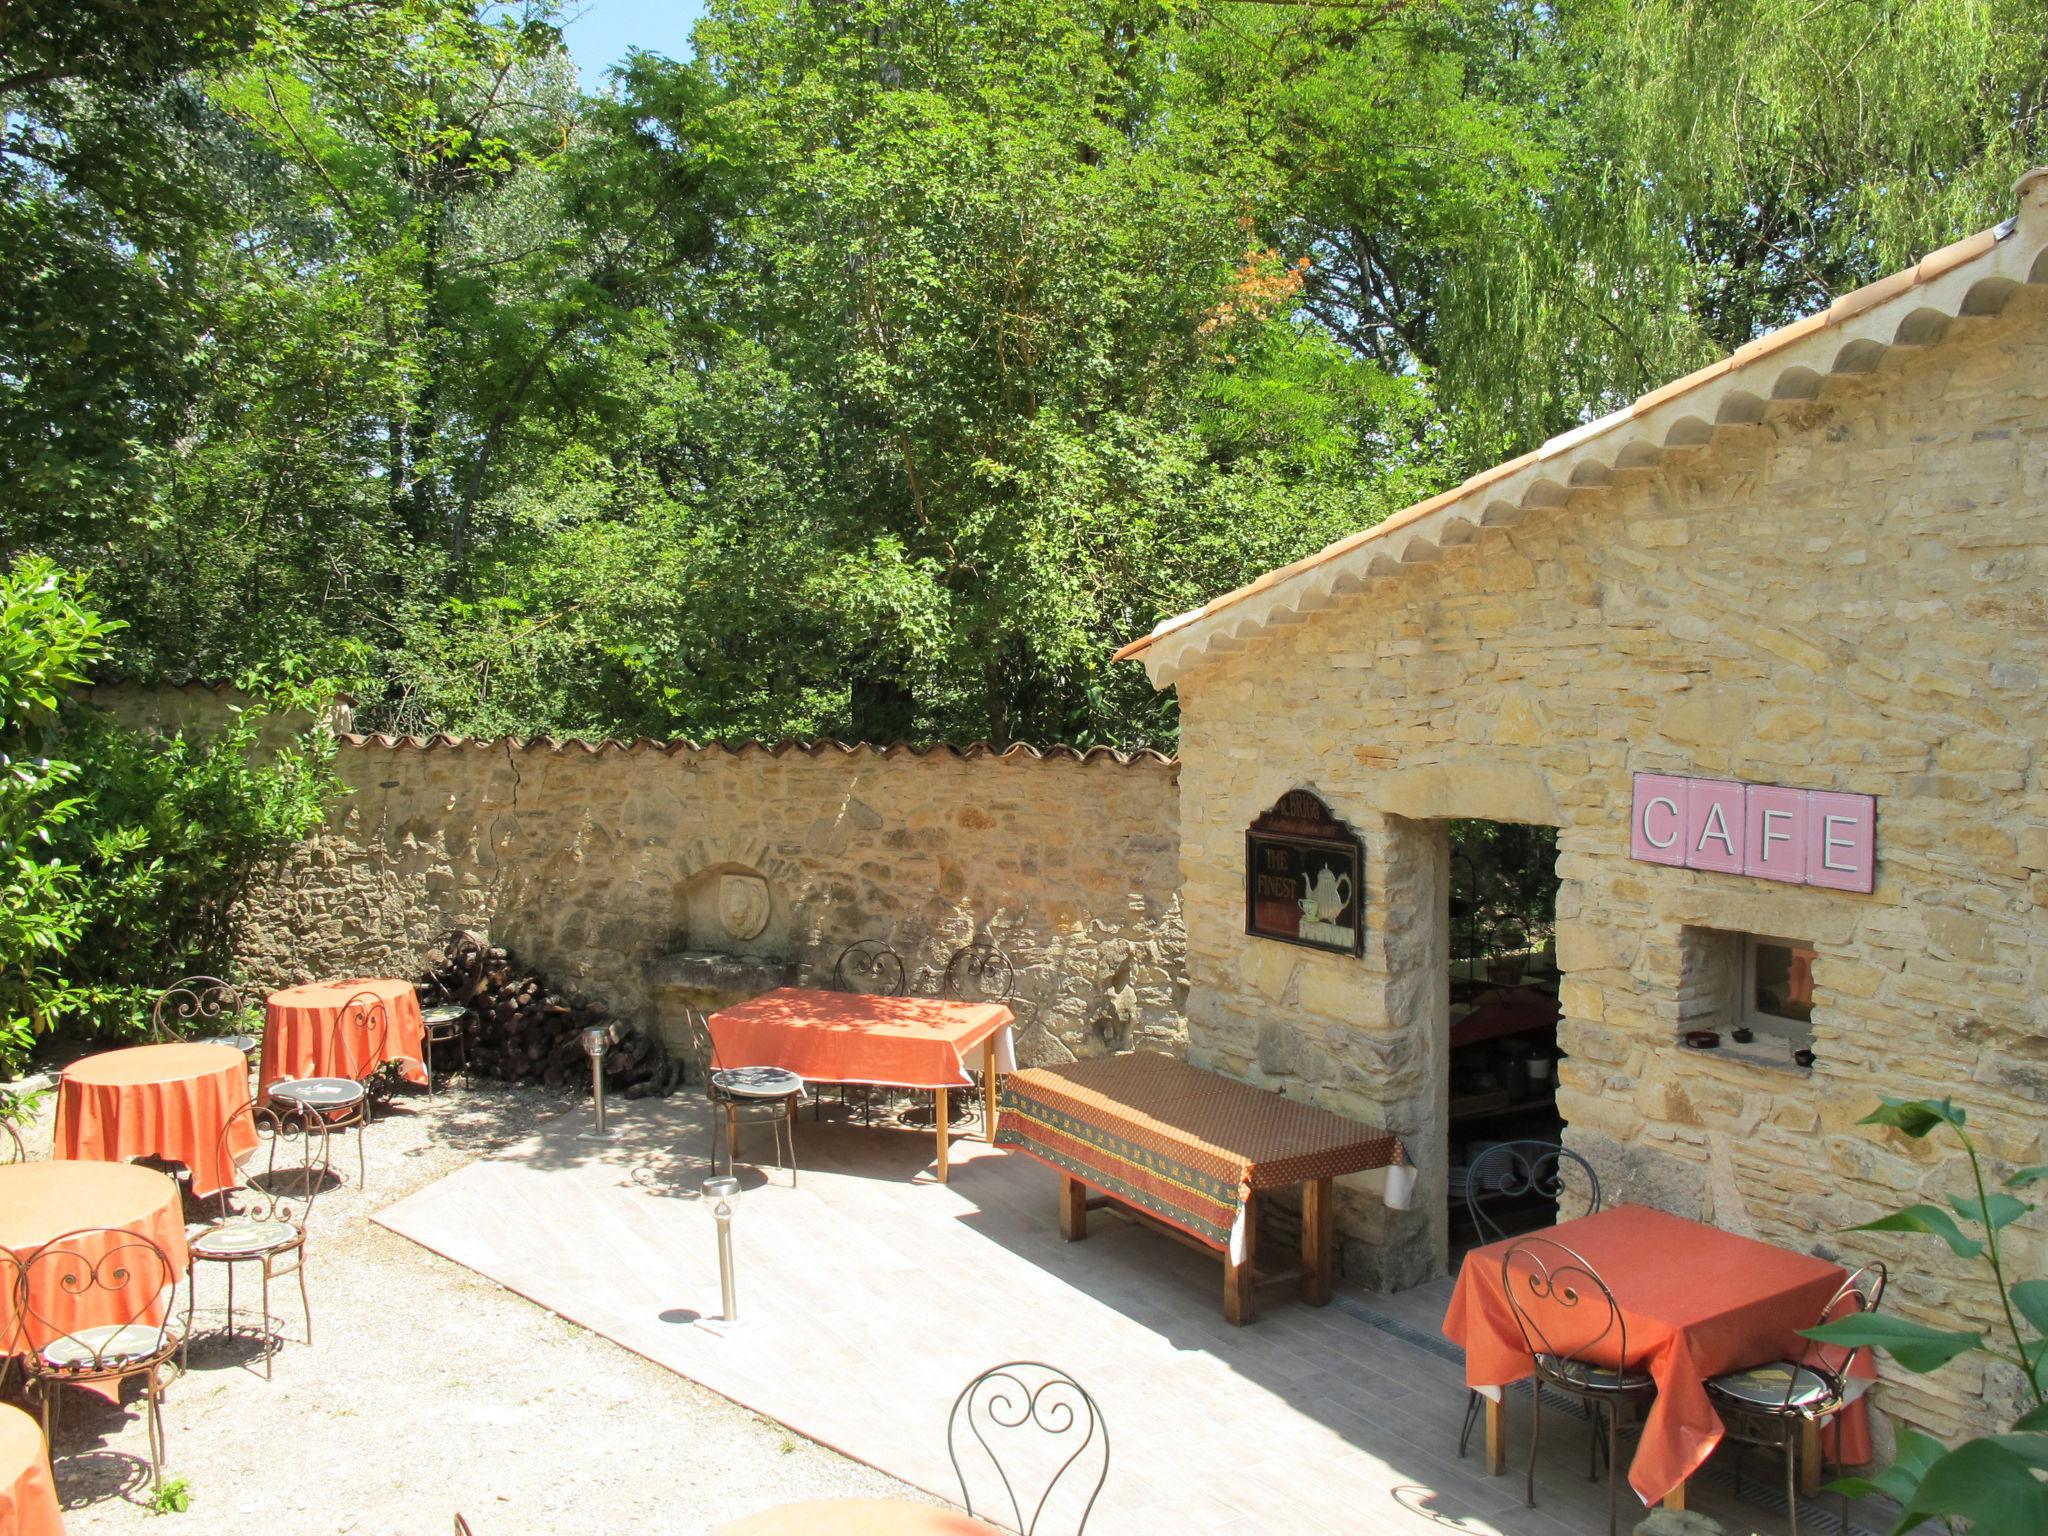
<point x="43" y="1201"/>
<point x="849" y="1037"/>
<point x="168" y="1101"/>
<point x="857" y="1517"/>
<point x="299" y="1031"/>
<point x="1697" y="1301"/>
<point x="28" y="1494"/>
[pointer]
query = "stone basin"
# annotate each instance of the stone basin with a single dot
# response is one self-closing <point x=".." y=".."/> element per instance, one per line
<point x="708" y="980"/>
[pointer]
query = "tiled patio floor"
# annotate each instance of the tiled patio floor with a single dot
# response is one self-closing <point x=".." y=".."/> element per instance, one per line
<point x="876" y="1293"/>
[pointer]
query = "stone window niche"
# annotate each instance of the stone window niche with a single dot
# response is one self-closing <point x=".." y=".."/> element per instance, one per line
<point x="1753" y="985"/>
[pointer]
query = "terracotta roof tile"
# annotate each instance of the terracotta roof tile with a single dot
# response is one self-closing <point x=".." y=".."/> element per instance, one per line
<point x="1016" y="751"/>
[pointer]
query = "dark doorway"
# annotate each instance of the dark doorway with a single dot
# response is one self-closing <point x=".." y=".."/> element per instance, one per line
<point x="1504" y="1011"/>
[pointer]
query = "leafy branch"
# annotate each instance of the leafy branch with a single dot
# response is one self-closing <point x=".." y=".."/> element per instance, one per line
<point x="1993" y="1482"/>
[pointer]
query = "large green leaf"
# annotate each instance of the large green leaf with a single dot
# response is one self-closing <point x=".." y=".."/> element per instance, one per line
<point x="1986" y="1483"/>
<point x="1995" y="1212"/>
<point x="1913" y="1454"/>
<point x="2034" y="1418"/>
<point x="2032" y="1449"/>
<point x="2030" y="1299"/>
<point x="1926" y="1218"/>
<point x="1914" y="1345"/>
<point x="2021" y="1178"/>
<point x="1916" y="1117"/>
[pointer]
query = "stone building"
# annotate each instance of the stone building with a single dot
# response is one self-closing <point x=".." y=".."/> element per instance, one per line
<point x="1705" y="639"/>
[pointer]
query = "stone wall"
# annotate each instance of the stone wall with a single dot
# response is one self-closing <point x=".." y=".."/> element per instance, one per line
<point x="1848" y="594"/>
<point x="643" y="874"/>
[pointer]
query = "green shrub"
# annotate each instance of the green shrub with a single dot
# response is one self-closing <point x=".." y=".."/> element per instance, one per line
<point x="124" y="851"/>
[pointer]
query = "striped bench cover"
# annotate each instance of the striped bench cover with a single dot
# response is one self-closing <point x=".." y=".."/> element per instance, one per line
<point x="1181" y="1144"/>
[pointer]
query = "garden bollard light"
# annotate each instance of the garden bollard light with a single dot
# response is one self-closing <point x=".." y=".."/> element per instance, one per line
<point x="597" y="1039"/>
<point x="726" y="1191"/>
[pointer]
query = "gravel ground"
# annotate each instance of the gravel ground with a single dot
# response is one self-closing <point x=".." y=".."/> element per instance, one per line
<point x="429" y="1390"/>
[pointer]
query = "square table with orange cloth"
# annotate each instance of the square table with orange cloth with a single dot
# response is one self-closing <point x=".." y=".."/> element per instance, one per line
<point x="1192" y="1149"/>
<point x="28" y="1494"/>
<point x="41" y="1202"/>
<point x="168" y="1101"/>
<point x="850" y="1037"/>
<point x="299" y="1030"/>
<point x="889" y="1042"/>
<point x="1697" y="1301"/>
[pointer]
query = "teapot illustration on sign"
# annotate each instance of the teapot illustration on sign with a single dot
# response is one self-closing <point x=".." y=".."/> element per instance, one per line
<point x="1331" y="893"/>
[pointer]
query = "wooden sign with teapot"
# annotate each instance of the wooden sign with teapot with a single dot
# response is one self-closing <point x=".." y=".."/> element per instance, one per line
<point x="1304" y="879"/>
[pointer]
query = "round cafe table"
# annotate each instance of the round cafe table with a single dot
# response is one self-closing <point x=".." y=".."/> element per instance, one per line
<point x="857" y="1517"/>
<point x="301" y="1023"/>
<point x="40" y="1202"/>
<point x="168" y="1101"/>
<point x="28" y="1494"/>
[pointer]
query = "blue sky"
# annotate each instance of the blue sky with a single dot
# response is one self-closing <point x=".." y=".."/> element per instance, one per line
<point x="599" y="32"/>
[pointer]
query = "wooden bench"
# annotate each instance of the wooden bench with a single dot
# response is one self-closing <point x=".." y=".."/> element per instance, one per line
<point x="1190" y="1152"/>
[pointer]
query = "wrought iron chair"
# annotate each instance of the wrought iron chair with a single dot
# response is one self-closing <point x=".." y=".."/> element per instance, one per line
<point x="870" y="966"/>
<point x="444" y="1024"/>
<point x="979" y="973"/>
<point x="1519" y="1168"/>
<point x="736" y="1091"/>
<point x="325" y="1105"/>
<point x="1771" y="1404"/>
<point x="202" y="1002"/>
<point x="106" y="1272"/>
<point x="258" y="1225"/>
<point x="1577" y="1338"/>
<point x="1025" y="1395"/>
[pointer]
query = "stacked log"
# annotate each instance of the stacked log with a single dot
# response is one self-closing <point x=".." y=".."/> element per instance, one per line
<point x="520" y="1029"/>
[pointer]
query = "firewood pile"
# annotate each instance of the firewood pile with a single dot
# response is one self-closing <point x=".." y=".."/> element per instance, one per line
<point x="522" y="1030"/>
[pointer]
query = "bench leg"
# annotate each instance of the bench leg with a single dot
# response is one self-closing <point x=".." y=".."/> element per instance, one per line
<point x="1073" y="1209"/>
<point x="990" y="1088"/>
<point x="1318" y="1240"/>
<point x="1237" y="1277"/>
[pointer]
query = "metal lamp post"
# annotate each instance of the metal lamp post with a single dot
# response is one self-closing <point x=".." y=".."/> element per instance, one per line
<point x="726" y="1191"/>
<point x="597" y="1039"/>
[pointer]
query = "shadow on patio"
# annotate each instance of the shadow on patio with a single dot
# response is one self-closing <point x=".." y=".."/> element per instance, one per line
<point x="873" y="1294"/>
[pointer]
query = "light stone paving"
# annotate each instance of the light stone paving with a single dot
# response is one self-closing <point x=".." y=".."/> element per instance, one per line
<point x="876" y="1293"/>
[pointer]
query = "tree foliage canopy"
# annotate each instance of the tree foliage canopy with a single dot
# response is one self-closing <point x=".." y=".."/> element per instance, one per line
<point x="880" y="367"/>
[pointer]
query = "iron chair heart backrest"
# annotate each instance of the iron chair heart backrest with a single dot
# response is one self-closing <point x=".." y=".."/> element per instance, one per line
<point x="703" y="1044"/>
<point x="979" y="973"/>
<point x="1004" y="1404"/>
<point x="197" y="1000"/>
<point x="1862" y="1292"/>
<point x="869" y="966"/>
<point x="110" y="1278"/>
<point x="250" y="1199"/>
<point x="362" y="1031"/>
<point x="1522" y="1168"/>
<point x="1564" y="1309"/>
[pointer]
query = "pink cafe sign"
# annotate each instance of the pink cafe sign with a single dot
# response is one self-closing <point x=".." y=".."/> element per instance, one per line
<point x="1803" y="836"/>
